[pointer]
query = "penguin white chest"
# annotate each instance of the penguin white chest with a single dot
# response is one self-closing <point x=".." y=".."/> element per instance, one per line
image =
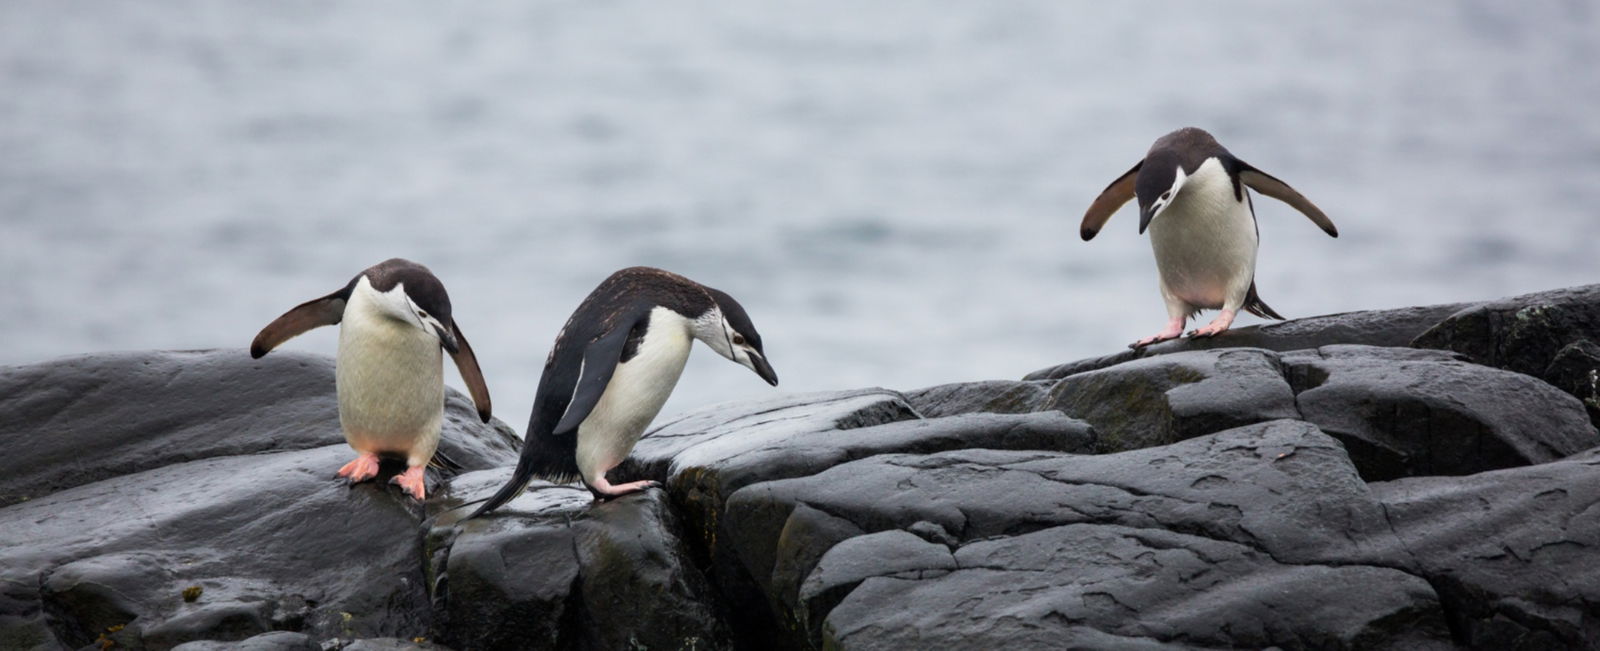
<point x="637" y="390"/>
<point x="1205" y="240"/>
<point x="390" y="379"/>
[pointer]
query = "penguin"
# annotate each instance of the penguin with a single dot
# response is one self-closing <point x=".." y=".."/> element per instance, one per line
<point x="394" y="320"/>
<point x="1202" y="225"/>
<point x="612" y="367"/>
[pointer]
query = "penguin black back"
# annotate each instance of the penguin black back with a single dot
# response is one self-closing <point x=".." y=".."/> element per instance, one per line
<point x="622" y="300"/>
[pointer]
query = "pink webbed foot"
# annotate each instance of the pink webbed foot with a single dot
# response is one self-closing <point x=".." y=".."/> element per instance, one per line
<point x="1173" y="329"/>
<point x="413" y="481"/>
<point x="361" y="468"/>
<point x="604" y="490"/>
<point x="1217" y="325"/>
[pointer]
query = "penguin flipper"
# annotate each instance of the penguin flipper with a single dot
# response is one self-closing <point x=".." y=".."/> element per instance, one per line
<point x="467" y="363"/>
<point x="1269" y="185"/>
<point x="1254" y="305"/>
<point x="1119" y="192"/>
<point x="600" y="359"/>
<point x="315" y="313"/>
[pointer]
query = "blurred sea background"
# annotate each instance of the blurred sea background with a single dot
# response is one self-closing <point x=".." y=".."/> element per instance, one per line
<point x="891" y="189"/>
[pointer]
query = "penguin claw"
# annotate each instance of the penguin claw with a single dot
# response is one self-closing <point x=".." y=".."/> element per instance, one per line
<point x="360" y="468"/>
<point x="413" y="481"/>
<point x="1216" y="327"/>
<point x="1173" y="330"/>
<point x="1152" y="340"/>
<point x="605" y="491"/>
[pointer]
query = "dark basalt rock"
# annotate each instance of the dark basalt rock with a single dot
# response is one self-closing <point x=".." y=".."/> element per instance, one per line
<point x="1404" y="412"/>
<point x="145" y="479"/>
<point x="1512" y="552"/>
<point x="1400" y="411"/>
<point x="1241" y="538"/>
<point x="1396" y="327"/>
<point x="274" y="641"/>
<point x="989" y="397"/>
<point x="95" y="417"/>
<point x="1576" y="370"/>
<point x="1196" y="494"/>
<point x="1169" y="398"/>
<point x="1549" y="335"/>
<point x="551" y="570"/>
<point x="705" y="456"/>
<point x="272" y="540"/>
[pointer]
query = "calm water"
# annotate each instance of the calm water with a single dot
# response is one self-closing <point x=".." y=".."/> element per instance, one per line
<point x="892" y="191"/>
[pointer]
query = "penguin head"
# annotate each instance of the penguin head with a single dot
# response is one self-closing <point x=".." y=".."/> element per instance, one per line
<point x="1160" y="181"/>
<point x="1169" y="164"/>
<point x="417" y="298"/>
<point x="727" y="329"/>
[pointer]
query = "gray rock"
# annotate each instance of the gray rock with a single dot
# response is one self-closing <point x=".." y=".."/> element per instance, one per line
<point x="1534" y="334"/>
<point x="1404" y="412"/>
<point x="1191" y="543"/>
<point x="1399" y="411"/>
<point x="1140" y="403"/>
<point x="989" y="397"/>
<point x="392" y="644"/>
<point x="274" y="641"/>
<point x="95" y="417"/>
<point x="894" y="553"/>
<point x="1521" y="333"/>
<point x="553" y="570"/>
<point x="1047" y="588"/>
<point x="193" y="512"/>
<point x="1168" y="398"/>
<point x="1576" y="370"/>
<point x="1396" y="327"/>
<point x="1513" y="552"/>
<point x="705" y="456"/>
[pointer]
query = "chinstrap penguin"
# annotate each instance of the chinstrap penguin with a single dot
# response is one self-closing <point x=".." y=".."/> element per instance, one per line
<point x="394" y="318"/>
<point x="612" y="367"/>
<point x="1202" y="225"/>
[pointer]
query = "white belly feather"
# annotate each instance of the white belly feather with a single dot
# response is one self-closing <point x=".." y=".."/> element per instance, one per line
<point x="635" y="394"/>
<point x="1205" y="242"/>
<point x="390" y="380"/>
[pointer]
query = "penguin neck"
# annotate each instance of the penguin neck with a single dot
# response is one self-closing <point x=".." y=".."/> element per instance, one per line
<point x="369" y="322"/>
<point x="666" y="340"/>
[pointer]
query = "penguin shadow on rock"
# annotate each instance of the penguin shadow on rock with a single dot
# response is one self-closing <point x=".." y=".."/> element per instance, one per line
<point x="611" y="369"/>
<point x="395" y="324"/>
<point x="1202" y="223"/>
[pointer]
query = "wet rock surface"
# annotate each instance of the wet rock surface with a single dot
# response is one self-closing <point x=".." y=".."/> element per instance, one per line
<point x="1313" y="484"/>
<point x="1396" y="327"/>
<point x="94" y="417"/>
<point x="183" y="519"/>
<point x="1554" y="336"/>
<point x="551" y="570"/>
<point x="1405" y="412"/>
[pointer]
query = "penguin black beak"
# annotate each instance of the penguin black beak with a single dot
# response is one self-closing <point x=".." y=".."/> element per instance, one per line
<point x="448" y="341"/>
<point x="763" y="369"/>
<point x="1145" y="216"/>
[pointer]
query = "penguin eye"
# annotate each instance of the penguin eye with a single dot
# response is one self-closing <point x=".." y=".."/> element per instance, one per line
<point x="738" y="339"/>
<point x="422" y="313"/>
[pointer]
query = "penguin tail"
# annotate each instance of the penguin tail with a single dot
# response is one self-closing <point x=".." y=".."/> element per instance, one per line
<point x="1254" y="305"/>
<point x="513" y="488"/>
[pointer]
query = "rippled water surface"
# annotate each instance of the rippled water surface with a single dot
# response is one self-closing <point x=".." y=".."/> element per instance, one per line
<point x="891" y="189"/>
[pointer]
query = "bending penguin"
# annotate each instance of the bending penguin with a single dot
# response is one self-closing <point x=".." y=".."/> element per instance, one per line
<point x="613" y="366"/>
<point x="394" y="318"/>
<point x="1202" y="225"/>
